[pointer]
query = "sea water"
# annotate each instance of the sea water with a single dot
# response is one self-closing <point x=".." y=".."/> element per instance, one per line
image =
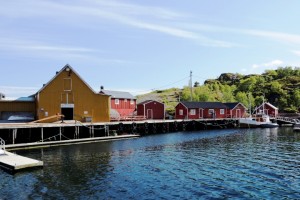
<point x="211" y="164"/>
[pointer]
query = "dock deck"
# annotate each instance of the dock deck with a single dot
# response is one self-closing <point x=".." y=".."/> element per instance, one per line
<point x="13" y="162"/>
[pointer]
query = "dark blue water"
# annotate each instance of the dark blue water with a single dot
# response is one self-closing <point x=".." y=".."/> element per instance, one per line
<point x="218" y="164"/>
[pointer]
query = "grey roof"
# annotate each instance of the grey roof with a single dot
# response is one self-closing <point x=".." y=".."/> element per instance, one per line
<point x="203" y="104"/>
<point x="118" y="94"/>
<point x="28" y="99"/>
<point x="148" y="101"/>
<point x="232" y="105"/>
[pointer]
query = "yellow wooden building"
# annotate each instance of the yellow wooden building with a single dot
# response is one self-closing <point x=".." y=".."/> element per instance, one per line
<point x="68" y="94"/>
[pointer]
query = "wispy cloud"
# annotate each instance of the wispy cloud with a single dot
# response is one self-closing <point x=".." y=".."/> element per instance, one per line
<point x="279" y="36"/>
<point x="156" y="19"/>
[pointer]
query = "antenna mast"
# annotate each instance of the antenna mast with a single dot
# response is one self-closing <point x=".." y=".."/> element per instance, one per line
<point x="191" y="85"/>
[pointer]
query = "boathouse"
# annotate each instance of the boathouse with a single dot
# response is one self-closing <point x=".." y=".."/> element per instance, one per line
<point x="122" y="104"/>
<point x="21" y="109"/>
<point x="67" y="93"/>
<point x="151" y="109"/>
<point x="267" y="109"/>
<point x="236" y="110"/>
<point x="199" y="110"/>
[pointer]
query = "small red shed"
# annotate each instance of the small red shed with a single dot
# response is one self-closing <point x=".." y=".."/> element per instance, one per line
<point x="267" y="109"/>
<point x="236" y="110"/>
<point x="198" y="110"/>
<point x="151" y="109"/>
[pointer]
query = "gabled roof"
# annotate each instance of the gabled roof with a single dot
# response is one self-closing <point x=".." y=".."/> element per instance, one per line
<point x="118" y="94"/>
<point x="148" y="101"/>
<point x="266" y="103"/>
<point x="203" y="105"/>
<point x="63" y="69"/>
<point x="232" y="105"/>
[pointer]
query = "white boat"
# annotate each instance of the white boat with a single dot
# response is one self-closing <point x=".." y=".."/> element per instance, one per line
<point x="259" y="120"/>
<point x="297" y="127"/>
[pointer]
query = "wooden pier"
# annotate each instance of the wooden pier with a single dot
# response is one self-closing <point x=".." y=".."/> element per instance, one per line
<point x="13" y="162"/>
<point x="23" y="135"/>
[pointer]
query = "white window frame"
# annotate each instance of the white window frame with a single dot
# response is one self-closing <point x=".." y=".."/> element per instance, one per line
<point x="222" y="111"/>
<point x="211" y="111"/>
<point x="117" y="101"/>
<point x="193" y="112"/>
<point x="70" y="81"/>
<point x="180" y="111"/>
<point x="131" y="101"/>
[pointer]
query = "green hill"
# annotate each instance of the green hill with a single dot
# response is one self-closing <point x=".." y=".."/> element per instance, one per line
<point x="280" y="87"/>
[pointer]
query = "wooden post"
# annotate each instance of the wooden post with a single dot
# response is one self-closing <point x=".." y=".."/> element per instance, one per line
<point x="42" y="134"/>
<point x="60" y="133"/>
<point x="14" y="134"/>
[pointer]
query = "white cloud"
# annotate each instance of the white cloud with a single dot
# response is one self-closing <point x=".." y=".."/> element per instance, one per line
<point x="272" y="64"/>
<point x="296" y="53"/>
<point x="260" y="68"/>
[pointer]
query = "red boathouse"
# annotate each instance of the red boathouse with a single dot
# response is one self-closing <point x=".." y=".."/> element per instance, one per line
<point x="151" y="109"/>
<point x="199" y="110"/>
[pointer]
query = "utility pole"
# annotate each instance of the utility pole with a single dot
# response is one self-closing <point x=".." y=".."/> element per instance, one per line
<point x="191" y="85"/>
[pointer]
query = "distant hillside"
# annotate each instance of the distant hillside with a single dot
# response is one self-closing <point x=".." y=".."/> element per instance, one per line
<point x="280" y="87"/>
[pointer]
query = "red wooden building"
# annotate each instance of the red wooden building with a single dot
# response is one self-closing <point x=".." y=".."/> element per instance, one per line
<point x="122" y="104"/>
<point x="236" y="110"/>
<point x="198" y="110"/>
<point x="267" y="109"/>
<point x="151" y="109"/>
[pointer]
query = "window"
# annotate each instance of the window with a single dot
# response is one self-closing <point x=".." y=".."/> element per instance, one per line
<point x="117" y="102"/>
<point x="67" y="84"/>
<point x="132" y="101"/>
<point x="192" y="112"/>
<point x="222" y="111"/>
<point x="211" y="111"/>
<point x="180" y="112"/>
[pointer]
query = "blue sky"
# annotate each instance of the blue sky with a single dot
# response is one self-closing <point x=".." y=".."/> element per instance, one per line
<point x="138" y="46"/>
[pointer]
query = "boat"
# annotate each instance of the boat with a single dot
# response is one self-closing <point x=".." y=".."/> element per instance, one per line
<point x="259" y="120"/>
<point x="296" y="127"/>
<point x="248" y="122"/>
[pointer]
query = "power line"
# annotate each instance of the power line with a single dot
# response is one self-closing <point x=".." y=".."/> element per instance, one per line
<point x="164" y="85"/>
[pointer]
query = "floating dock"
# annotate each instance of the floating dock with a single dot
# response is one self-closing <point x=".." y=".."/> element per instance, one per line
<point x="67" y="142"/>
<point x="13" y="162"/>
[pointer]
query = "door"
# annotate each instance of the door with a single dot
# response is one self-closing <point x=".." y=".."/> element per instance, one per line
<point x="238" y="113"/>
<point x="149" y="114"/>
<point x="200" y="113"/>
<point x="68" y="113"/>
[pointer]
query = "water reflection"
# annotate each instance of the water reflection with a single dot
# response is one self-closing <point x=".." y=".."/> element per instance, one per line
<point x="246" y="163"/>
